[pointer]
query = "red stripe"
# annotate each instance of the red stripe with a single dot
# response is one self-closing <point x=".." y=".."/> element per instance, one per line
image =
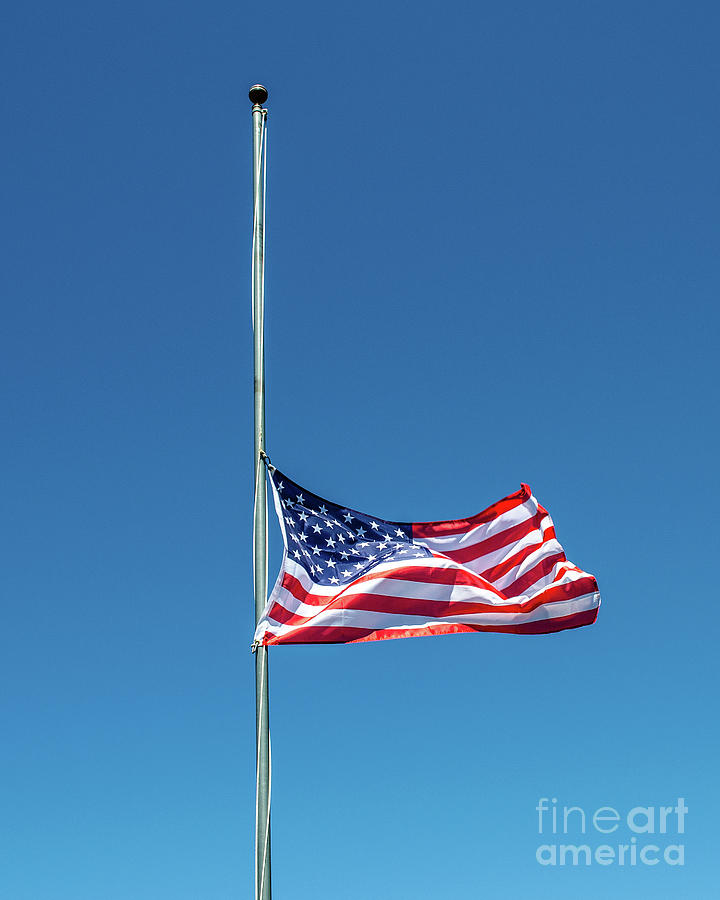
<point x="542" y="626"/>
<point x="438" y="609"/>
<point x="512" y="562"/>
<point x="293" y="586"/>
<point x="313" y="634"/>
<point x="436" y="575"/>
<point x="458" y="526"/>
<point x="285" y="616"/>
<point x="543" y="568"/>
<point x="496" y="542"/>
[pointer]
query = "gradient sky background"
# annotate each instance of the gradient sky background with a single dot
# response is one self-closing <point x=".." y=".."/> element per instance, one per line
<point x="492" y="258"/>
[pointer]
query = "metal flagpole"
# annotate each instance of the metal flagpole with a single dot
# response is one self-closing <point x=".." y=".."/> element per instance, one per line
<point x="258" y="95"/>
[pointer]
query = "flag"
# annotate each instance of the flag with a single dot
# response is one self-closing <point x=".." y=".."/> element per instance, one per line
<point x="349" y="577"/>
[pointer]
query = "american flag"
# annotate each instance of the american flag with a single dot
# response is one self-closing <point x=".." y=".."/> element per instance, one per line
<point x="349" y="577"/>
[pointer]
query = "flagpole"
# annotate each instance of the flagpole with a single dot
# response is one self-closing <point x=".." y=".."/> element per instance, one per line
<point x="258" y="95"/>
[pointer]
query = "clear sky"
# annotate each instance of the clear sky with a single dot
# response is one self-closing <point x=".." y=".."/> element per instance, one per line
<point x="492" y="258"/>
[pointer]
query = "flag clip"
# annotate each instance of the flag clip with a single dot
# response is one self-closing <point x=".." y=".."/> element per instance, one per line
<point x="254" y="646"/>
<point x="266" y="459"/>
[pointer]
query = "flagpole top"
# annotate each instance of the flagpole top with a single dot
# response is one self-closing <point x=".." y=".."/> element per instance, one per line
<point x="258" y="94"/>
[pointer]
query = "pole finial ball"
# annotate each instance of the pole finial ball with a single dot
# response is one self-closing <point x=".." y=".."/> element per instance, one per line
<point x="258" y="94"/>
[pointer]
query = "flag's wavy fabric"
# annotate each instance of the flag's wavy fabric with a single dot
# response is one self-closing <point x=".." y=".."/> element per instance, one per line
<point x="349" y="577"/>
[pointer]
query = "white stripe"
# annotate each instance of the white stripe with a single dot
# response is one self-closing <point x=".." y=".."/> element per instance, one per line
<point x="509" y="519"/>
<point x="549" y="579"/>
<point x="368" y="619"/>
<point x="395" y="587"/>
<point x="490" y="560"/>
<point x="544" y="551"/>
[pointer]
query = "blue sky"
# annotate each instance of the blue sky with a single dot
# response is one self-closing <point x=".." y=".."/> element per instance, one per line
<point x="492" y="258"/>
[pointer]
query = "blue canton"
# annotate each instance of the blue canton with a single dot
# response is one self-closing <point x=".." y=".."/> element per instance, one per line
<point x="336" y="545"/>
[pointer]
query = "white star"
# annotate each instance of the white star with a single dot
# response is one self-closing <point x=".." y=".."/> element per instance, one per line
<point x="363" y="544"/>
<point x="331" y="563"/>
<point x="303" y="536"/>
<point x="347" y="573"/>
<point x="330" y="542"/>
<point x="299" y="499"/>
<point x="293" y="537"/>
<point x="341" y="538"/>
<point x="281" y="487"/>
<point x="343" y="555"/>
<point x="316" y="551"/>
<point x="318" y="567"/>
<point x="371" y="558"/>
<point x="330" y="524"/>
<point x="334" y="580"/>
<point x="359" y="565"/>
<point x="399" y="532"/>
<point x="323" y="511"/>
<point x="361" y="532"/>
<point x="296" y="554"/>
<point x="347" y="517"/>
<point x="289" y="520"/>
<point x="317" y="529"/>
<point x="303" y="517"/>
<point x="375" y="526"/>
